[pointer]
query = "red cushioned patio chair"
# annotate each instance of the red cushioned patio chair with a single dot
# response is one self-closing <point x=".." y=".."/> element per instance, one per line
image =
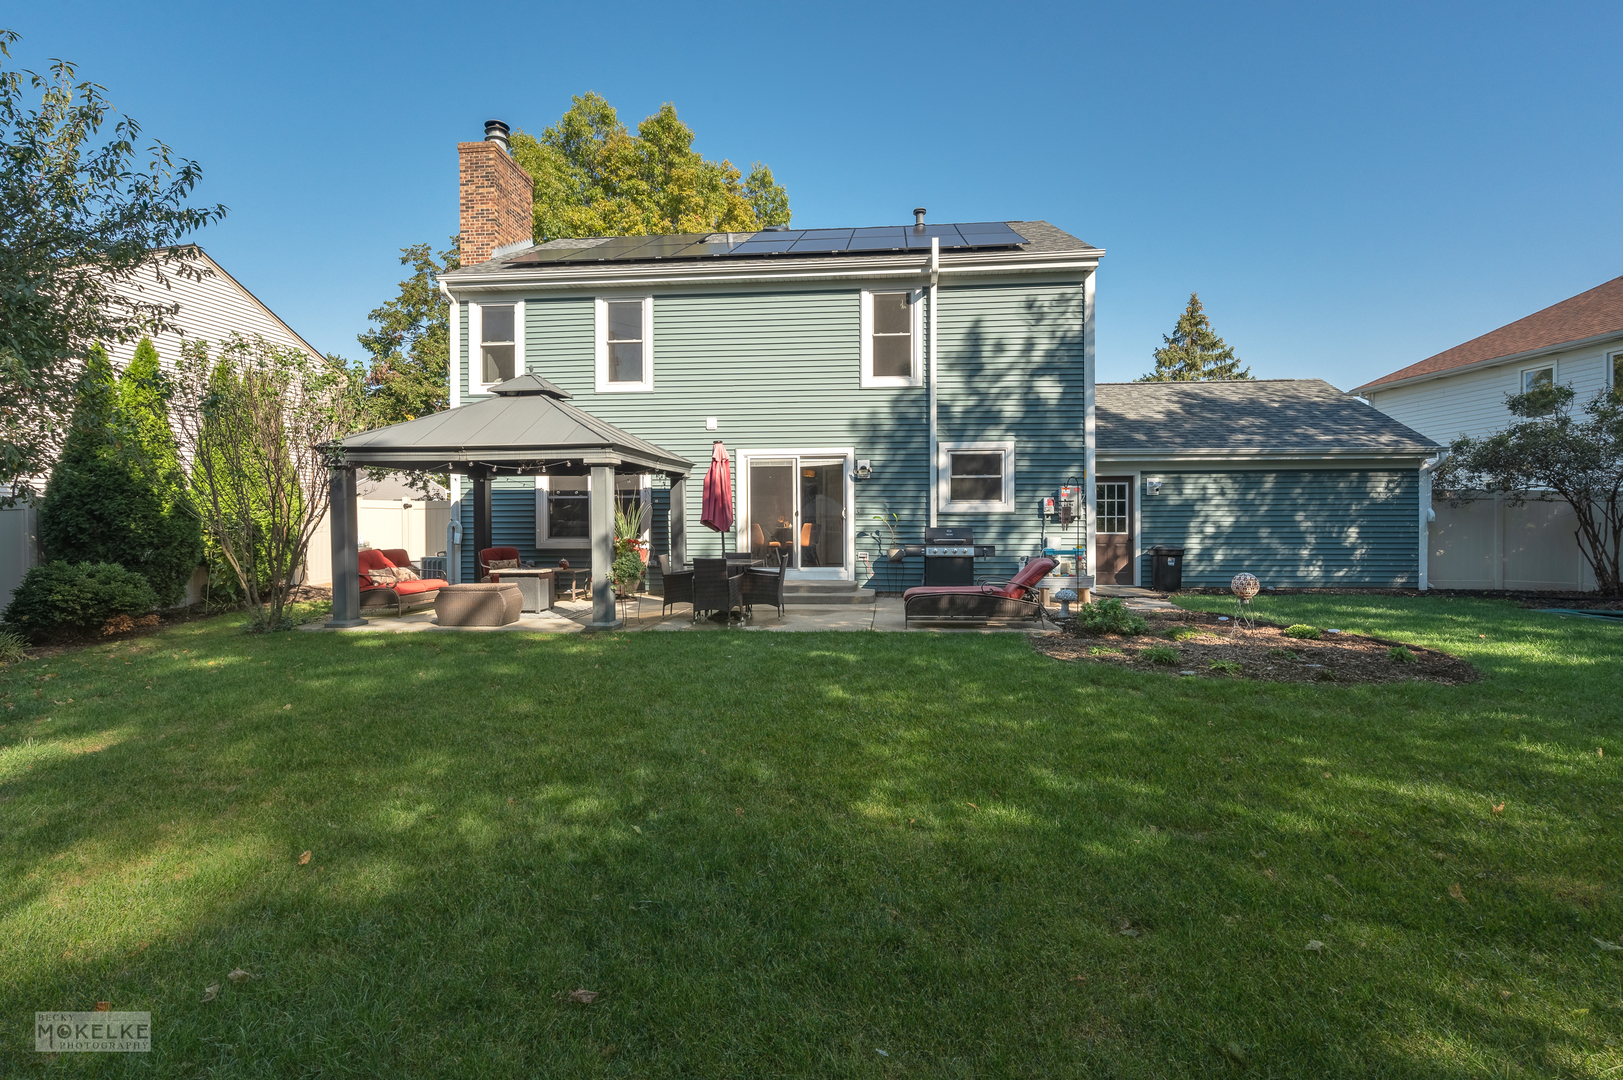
<point x="1016" y="598"/>
<point x="402" y="594"/>
<point x="494" y="554"/>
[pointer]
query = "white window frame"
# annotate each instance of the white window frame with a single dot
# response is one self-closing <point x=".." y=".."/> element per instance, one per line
<point x="476" y="344"/>
<point x="601" y="318"/>
<point x="944" y="501"/>
<point x="1521" y="376"/>
<point x="643" y="484"/>
<point x="916" y="307"/>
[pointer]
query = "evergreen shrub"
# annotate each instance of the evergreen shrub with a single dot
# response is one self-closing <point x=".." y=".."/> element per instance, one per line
<point x="61" y="598"/>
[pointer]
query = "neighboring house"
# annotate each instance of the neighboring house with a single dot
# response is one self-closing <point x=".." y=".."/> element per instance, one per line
<point x="1462" y="391"/>
<point x="854" y="373"/>
<point x="211" y="309"/>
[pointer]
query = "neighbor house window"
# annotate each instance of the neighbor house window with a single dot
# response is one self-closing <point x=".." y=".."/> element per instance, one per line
<point x="892" y="329"/>
<point x="625" y="344"/>
<point x="563" y="506"/>
<point x="498" y="345"/>
<point x="976" y="477"/>
<point x="1616" y="371"/>
<point x="1533" y="378"/>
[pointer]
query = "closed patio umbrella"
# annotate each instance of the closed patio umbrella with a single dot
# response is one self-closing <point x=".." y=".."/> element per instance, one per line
<point x="718" y="493"/>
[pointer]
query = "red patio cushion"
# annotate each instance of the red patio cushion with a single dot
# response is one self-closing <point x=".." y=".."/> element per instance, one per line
<point x="407" y="588"/>
<point x="371" y="559"/>
<point x="1033" y="572"/>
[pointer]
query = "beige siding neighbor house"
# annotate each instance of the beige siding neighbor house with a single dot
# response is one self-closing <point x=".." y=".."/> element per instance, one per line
<point x="1462" y="391"/>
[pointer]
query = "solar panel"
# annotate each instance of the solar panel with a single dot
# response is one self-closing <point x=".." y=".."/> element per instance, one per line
<point x="882" y="238"/>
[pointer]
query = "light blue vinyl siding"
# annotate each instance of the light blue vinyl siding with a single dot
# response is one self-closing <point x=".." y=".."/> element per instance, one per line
<point x="781" y="370"/>
<point x="1315" y="528"/>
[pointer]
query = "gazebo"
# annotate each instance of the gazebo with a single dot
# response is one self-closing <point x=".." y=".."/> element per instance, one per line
<point x="526" y="428"/>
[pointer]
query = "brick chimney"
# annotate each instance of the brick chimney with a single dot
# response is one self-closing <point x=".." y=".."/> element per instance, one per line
<point x="497" y="196"/>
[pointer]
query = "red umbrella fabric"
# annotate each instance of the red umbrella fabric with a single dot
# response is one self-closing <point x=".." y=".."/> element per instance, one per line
<point x="718" y="492"/>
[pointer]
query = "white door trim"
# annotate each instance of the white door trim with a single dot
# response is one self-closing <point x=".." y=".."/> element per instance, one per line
<point x="821" y="573"/>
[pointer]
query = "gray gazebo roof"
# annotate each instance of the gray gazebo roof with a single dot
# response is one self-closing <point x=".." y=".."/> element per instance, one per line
<point x="526" y="427"/>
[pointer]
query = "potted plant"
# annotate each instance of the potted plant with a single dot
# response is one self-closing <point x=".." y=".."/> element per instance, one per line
<point x="629" y="523"/>
<point x="890" y="520"/>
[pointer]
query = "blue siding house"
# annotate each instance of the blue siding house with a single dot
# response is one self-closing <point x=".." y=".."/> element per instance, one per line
<point x="902" y="377"/>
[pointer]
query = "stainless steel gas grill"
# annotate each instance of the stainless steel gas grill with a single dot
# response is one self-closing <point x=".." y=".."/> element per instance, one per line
<point x="949" y="555"/>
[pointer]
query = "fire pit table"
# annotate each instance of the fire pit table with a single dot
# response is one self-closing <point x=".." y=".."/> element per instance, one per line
<point x="538" y="584"/>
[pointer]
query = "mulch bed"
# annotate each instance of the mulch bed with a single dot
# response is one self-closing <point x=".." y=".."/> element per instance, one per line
<point x="1265" y="653"/>
<point x="1526" y="598"/>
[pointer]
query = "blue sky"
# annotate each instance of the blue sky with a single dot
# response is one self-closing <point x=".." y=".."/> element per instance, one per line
<point x="1350" y="188"/>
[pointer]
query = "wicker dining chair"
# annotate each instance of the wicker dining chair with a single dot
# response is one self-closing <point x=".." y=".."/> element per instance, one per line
<point x="678" y="584"/>
<point x="715" y="587"/>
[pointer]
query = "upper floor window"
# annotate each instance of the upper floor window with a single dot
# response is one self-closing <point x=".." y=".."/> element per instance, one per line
<point x="1533" y="378"/>
<point x="496" y="328"/>
<point x="976" y="476"/>
<point x="892" y="336"/>
<point x="625" y="344"/>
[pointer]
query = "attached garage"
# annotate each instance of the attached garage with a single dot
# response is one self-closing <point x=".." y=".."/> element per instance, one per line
<point x="1288" y="479"/>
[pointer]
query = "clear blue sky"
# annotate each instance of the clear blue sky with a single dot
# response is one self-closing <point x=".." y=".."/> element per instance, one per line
<point x="1350" y="188"/>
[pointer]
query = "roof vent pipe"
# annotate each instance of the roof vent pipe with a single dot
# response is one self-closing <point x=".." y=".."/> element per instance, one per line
<point x="496" y="132"/>
<point x="918" y="217"/>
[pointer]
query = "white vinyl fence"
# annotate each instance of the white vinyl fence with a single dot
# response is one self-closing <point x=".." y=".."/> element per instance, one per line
<point x="1489" y="544"/>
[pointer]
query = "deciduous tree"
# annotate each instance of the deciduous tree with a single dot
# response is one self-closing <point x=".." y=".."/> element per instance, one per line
<point x="1192" y="352"/>
<point x="92" y="230"/>
<point x="593" y="177"/>
<point x="1550" y="454"/>
<point x="409" y="343"/>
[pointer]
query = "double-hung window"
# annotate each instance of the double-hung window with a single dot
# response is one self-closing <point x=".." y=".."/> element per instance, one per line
<point x="625" y="344"/>
<point x="892" y="337"/>
<point x="1534" y="378"/>
<point x="497" y="328"/>
<point x="975" y="477"/>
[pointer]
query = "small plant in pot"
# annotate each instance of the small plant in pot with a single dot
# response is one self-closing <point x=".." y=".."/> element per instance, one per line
<point x="889" y="519"/>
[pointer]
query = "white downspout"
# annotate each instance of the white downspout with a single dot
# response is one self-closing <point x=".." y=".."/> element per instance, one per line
<point x="935" y="457"/>
<point x="1426" y="514"/>
<point x="453" y="373"/>
<point x="1090" y="490"/>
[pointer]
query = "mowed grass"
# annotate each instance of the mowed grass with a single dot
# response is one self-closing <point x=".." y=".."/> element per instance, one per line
<point x="840" y="855"/>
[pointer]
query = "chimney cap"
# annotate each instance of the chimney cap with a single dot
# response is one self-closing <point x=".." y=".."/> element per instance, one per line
<point x="918" y="217"/>
<point x="496" y="132"/>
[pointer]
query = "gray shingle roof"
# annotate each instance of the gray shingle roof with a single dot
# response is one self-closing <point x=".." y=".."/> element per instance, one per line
<point x="1041" y="237"/>
<point x="1301" y="415"/>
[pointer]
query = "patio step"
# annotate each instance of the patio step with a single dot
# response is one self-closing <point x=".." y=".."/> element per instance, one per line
<point x="825" y="593"/>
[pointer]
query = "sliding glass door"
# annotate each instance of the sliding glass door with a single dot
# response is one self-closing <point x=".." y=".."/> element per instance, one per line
<point x="796" y="511"/>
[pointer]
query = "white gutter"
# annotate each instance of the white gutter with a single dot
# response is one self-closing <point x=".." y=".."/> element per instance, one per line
<point x="935" y="457"/>
<point x="454" y="347"/>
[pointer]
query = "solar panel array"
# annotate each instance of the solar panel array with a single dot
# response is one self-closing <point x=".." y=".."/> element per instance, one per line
<point x="888" y="238"/>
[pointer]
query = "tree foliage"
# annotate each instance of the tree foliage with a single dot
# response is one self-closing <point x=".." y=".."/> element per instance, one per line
<point x="116" y="491"/>
<point x="259" y="419"/>
<point x="409" y="343"/>
<point x="1549" y="454"/>
<point x="594" y="178"/>
<point x="1192" y="352"/>
<point x="91" y="234"/>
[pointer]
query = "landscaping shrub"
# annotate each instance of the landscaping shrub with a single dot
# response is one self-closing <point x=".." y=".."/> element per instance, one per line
<point x="1227" y="667"/>
<point x="115" y="494"/>
<point x="1304" y="631"/>
<point x="1400" y="654"/>
<point x="13" y="647"/>
<point x="1109" y="617"/>
<point x="58" y="598"/>
<point x="1161" y="654"/>
<point x="1182" y="633"/>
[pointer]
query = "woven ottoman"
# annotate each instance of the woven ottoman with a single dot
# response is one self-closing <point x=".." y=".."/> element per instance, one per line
<point x="478" y="605"/>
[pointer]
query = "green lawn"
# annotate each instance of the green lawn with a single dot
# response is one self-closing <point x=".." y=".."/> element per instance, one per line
<point x="833" y="855"/>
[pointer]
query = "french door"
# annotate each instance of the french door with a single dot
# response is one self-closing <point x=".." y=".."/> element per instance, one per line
<point x="796" y="510"/>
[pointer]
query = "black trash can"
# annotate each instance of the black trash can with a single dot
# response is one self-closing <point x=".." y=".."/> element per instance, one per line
<point x="1166" y="568"/>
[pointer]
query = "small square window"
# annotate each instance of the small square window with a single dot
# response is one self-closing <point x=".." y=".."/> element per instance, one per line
<point x="624" y="353"/>
<point x="976" y="477"/>
<point x="1533" y="378"/>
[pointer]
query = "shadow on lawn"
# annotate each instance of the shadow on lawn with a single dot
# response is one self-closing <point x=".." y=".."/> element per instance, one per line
<point x="927" y="845"/>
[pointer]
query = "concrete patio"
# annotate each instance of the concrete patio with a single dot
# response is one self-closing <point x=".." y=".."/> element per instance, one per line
<point x="645" y="613"/>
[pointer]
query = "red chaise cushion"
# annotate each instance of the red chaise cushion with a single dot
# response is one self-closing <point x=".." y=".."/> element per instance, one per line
<point x="371" y="559"/>
<point x="1033" y="572"/>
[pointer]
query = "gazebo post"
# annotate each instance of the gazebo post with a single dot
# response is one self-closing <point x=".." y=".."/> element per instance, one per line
<point x="481" y="517"/>
<point x="343" y="522"/>
<point x="600" y="512"/>
<point x="679" y="522"/>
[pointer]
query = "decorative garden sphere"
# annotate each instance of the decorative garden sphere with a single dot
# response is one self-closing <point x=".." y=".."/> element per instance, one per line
<point x="1245" y="586"/>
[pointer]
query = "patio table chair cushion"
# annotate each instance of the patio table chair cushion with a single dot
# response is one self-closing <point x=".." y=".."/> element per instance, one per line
<point x="483" y="604"/>
<point x="488" y="572"/>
